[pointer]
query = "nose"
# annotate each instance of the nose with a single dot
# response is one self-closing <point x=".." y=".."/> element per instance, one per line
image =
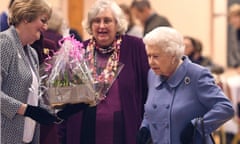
<point x="102" y="23"/>
<point x="45" y="27"/>
<point x="150" y="60"/>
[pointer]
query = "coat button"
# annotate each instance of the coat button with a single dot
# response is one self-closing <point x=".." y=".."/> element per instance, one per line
<point x="154" y="106"/>
<point x="168" y="106"/>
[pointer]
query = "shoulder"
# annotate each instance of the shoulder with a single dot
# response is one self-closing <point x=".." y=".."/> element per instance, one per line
<point x="132" y="40"/>
<point x="6" y="41"/>
<point x="194" y="70"/>
<point x="136" y="31"/>
<point x="132" y="43"/>
<point x="3" y="15"/>
<point x="163" y="21"/>
<point x="200" y="74"/>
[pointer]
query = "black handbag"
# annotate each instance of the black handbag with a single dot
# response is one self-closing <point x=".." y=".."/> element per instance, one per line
<point x="200" y="120"/>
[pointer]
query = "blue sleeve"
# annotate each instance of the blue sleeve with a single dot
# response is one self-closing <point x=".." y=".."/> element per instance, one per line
<point x="214" y="100"/>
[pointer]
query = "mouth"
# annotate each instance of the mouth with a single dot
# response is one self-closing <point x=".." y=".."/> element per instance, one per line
<point x="102" y="33"/>
<point x="155" y="69"/>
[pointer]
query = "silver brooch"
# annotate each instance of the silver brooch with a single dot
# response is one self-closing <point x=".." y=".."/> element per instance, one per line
<point x="187" y="80"/>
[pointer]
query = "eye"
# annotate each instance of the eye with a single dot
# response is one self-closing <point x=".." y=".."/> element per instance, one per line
<point x="107" y="20"/>
<point x="155" y="56"/>
<point x="96" y="20"/>
<point x="44" y="20"/>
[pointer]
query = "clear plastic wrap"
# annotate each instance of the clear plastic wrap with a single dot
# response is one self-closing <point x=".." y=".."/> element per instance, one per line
<point x="72" y="76"/>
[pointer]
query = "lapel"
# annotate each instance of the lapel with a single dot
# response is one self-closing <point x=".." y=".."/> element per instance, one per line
<point x="22" y="54"/>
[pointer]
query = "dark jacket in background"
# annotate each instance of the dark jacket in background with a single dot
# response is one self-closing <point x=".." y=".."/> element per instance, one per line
<point x="154" y="21"/>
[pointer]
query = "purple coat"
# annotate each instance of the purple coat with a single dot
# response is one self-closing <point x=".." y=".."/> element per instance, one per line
<point x="132" y="92"/>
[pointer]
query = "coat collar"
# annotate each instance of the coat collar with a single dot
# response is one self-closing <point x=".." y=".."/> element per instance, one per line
<point x="177" y="76"/>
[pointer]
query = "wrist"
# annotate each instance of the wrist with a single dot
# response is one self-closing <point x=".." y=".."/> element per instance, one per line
<point x="22" y="109"/>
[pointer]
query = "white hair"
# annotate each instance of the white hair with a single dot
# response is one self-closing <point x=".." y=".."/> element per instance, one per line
<point x="101" y="5"/>
<point x="166" y="38"/>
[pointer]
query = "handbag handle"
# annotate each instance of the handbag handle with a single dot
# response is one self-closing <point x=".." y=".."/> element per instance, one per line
<point x="200" y="120"/>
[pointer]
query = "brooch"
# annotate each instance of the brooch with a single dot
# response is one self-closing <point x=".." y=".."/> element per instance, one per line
<point x="187" y="80"/>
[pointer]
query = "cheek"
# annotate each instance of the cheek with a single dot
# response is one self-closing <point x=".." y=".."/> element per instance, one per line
<point x="164" y="64"/>
<point x="188" y="51"/>
<point x="160" y="63"/>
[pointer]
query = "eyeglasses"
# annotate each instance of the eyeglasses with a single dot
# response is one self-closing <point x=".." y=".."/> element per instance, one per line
<point x="106" y="21"/>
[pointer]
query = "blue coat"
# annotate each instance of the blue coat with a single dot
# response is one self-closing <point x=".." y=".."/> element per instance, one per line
<point x="189" y="93"/>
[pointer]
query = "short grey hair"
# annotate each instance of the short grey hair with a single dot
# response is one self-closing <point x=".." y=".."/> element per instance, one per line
<point x="101" y="5"/>
<point x="166" y="38"/>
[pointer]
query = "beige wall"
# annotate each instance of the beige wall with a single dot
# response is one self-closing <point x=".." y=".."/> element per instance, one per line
<point x="203" y="19"/>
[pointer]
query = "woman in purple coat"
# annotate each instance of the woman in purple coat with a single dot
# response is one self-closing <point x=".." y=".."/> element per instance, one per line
<point x="116" y="119"/>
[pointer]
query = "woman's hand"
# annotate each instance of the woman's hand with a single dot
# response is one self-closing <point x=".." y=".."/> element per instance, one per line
<point x="143" y="135"/>
<point x="40" y="115"/>
<point x="71" y="109"/>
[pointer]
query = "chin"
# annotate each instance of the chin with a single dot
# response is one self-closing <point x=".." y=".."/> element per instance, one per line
<point x="157" y="72"/>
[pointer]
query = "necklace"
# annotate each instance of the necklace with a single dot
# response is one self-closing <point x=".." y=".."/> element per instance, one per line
<point x="108" y="73"/>
<point x="105" y="50"/>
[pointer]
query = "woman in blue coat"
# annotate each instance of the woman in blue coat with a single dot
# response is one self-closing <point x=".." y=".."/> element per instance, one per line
<point x="182" y="96"/>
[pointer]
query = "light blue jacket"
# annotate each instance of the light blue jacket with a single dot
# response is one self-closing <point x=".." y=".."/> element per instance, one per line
<point x="189" y="93"/>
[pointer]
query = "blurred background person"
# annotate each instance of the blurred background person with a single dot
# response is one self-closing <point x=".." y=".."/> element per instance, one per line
<point x="55" y="28"/>
<point x="49" y="39"/>
<point x="133" y="29"/>
<point x="142" y="10"/>
<point x="193" y="49"/>
<point x="116" y="119"/>
<point x="234" y="37"/>
<point x="184" y="105"/>
<point x="21" y="105"/>
<point x="49" y="42"/>
<point x="4" y="18"/>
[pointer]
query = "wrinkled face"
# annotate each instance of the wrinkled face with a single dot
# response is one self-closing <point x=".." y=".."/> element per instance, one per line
<point x="35" y="28"/>
<point x="234" y="20"/>
<point x="188" y="47"/>
<point x="104" y="28"/>
<point x="160" y="61"/>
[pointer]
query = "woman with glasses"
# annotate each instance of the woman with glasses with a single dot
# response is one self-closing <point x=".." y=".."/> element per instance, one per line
<point x="117" y="117"/>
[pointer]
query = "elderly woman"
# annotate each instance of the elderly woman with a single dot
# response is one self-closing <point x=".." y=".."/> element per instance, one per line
<point x="19" y="78"/>
<point x="182" y="96"/>
<point x="116" y="119"/>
